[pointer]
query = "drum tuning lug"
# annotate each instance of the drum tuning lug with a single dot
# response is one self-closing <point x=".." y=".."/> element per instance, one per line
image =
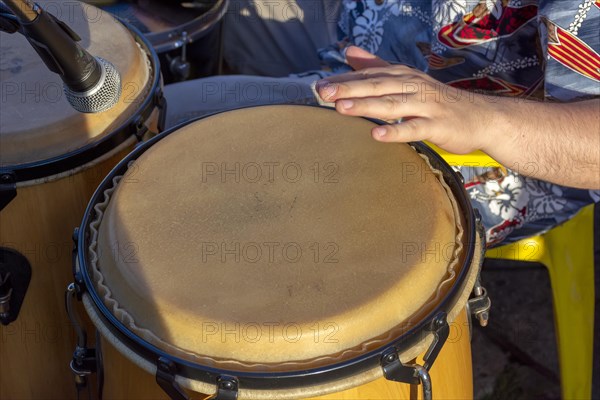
<point x="165" y="378"/>
<point x="8" y="188"/>
<point x="15" y="275"/>
<point x="412" y="374"/>
<point x="480" y="304"/>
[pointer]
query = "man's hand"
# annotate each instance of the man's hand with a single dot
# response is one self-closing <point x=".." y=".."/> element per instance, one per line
<point x="559" y="143"/>
<point x="429" y="110"/>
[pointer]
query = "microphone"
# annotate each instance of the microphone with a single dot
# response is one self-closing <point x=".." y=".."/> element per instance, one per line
<point x="91" y="84"/>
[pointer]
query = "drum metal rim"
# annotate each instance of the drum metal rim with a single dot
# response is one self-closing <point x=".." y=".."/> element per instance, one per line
<point x="87" y="154"/>
<point x="288" y="379"/>
<point x="168" y="40"/>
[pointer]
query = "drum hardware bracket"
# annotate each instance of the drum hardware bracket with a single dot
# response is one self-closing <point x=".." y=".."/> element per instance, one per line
<point x="227" y="388"/>
<point x="139" y="128"/>
<point x="161" y="103"/>
<point x="85" y="360"/>
<point x="179" y="65"/>
<point x="441" y="330"/>
<point x="480" y="305"/>
<point x="84" y="363"/>
<point x="414" y="374"/>
<point x="15" y="275"/>
<point x="165" y="377"/>
<point x="8" y="188"/>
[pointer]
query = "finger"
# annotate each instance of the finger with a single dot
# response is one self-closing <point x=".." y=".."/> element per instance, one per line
<point x="391" y="70"/>
<point x="324" y="89"/>
<point x="388" y="108"/>
<point x="359" y="59"/>
<point x="371" y="87"/>
<point x="411" y="130"/>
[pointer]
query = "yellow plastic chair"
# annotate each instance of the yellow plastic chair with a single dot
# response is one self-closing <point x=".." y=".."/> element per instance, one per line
<point x="567" y="251"/>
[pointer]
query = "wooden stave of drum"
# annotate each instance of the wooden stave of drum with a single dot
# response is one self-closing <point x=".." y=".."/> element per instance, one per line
<point x="51" y="195"/>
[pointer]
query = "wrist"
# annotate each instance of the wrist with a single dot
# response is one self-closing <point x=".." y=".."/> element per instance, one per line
<point x="502" y="135"/>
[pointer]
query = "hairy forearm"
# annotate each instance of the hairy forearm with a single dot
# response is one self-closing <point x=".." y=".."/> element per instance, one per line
<point x="555" y="142"/>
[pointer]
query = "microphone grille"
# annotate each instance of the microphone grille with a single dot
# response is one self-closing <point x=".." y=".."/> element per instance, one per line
<point x="102" y="96"/>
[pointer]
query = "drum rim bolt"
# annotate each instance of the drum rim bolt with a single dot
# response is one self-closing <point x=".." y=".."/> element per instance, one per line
<point x="439" y="321"/>
<point x="227" y="385"/>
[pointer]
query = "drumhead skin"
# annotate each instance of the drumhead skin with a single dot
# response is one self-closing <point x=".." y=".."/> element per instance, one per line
<point x="275" y="238"/>
<point x="37" y="121"/>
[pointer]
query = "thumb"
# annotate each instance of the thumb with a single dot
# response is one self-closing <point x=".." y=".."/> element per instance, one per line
<point x="358" y="59"/>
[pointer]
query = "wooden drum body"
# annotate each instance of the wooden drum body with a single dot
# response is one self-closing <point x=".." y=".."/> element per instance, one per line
<point x="51" y="160"/>
<point x="279" y="252"/>
<point x="451" y="375"/>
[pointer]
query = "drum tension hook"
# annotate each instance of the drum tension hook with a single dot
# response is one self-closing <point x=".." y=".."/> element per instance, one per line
<point x="8" y="188"/>
<point x="414" y="374"/>
<point x="78" y="279"/>
<point x="15" y="275"/>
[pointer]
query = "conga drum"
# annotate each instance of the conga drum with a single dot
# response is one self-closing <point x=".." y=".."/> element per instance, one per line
<point x="52" y="158"/>
<point x="278" y="252"/>
<point x="186" y="35"/>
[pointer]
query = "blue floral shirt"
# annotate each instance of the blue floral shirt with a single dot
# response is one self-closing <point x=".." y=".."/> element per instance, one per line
<point x="505" y="47"/>
<point x="526" y="48"/>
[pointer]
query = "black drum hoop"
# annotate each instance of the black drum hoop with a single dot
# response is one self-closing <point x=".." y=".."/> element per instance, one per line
<point x="195" y="29"/>
<point x="86" y="154"/>
<point x="275" y="380"/>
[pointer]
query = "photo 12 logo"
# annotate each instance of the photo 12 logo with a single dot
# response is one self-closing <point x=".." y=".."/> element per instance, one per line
<point x="268" y="332"/>
<point x="269" y="252"/>
<point x="269" y="172"/>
